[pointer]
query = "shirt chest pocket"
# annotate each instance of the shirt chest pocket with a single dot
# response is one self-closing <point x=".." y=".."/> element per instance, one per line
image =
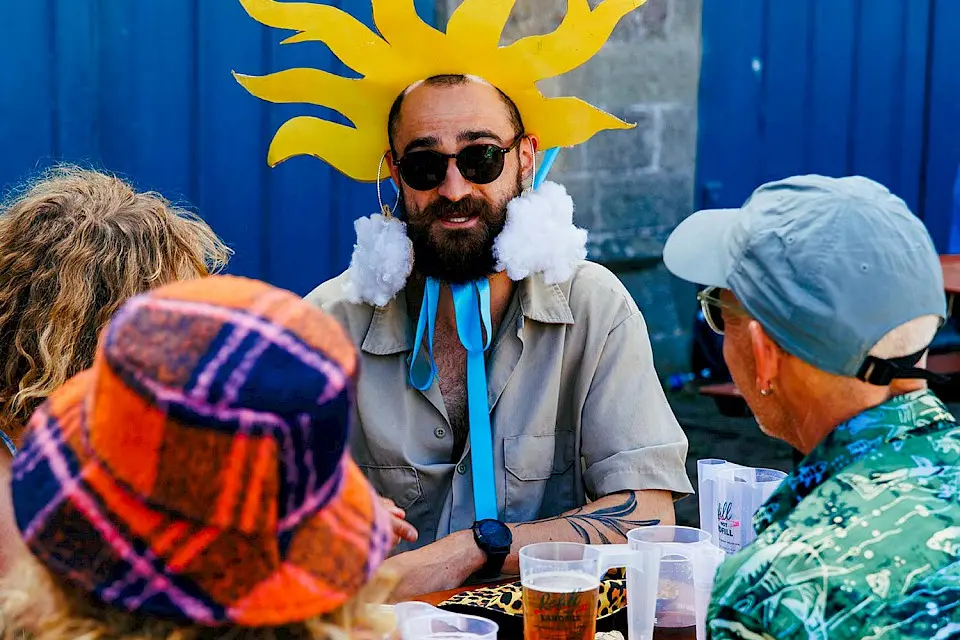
<point x="399" y="483"/>
<point x="539" y="475"/>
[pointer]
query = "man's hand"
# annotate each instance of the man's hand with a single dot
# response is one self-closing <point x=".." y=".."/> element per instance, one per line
<point x="445" y="564"/>
<point x="402" y="530"/>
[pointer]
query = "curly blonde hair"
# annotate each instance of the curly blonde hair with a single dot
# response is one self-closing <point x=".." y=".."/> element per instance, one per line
<point x="35" y="605"/>
<point x="74" y="246"/>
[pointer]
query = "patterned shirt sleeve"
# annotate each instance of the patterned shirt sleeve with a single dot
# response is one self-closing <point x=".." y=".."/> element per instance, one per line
<point x="729" y="624"/>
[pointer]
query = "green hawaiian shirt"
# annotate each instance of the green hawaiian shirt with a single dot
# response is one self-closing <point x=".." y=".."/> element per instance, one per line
<point x="862" y="540"/>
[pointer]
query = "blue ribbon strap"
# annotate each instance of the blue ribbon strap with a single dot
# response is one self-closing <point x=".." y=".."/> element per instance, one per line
<point x="471" y="304"/>
<point x="468" y="300"/>
<point x="549" y="157"/>
<point x="427" y="323"/>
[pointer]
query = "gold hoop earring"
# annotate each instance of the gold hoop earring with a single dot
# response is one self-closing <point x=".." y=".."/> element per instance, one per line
<point x="384" y="209"/>
<point x="533" y="174"/>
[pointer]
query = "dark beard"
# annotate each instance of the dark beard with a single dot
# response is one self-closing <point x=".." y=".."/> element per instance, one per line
<point x="457" y="256"/>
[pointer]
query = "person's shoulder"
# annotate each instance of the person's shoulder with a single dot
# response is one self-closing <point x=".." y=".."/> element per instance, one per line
<point x="594" y="289"/>
<point x="895" y="477"/>
<point x="897" y="483"/>
<point x="592" y="279"/>
<point x="329" y="293"/>
<point x="330" y="297"/>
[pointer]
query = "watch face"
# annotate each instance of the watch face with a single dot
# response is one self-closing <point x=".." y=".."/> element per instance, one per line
<point x="495" y="534"/>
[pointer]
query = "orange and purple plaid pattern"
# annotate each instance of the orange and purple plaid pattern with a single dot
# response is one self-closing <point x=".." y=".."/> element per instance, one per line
<point x="197" y="471"/>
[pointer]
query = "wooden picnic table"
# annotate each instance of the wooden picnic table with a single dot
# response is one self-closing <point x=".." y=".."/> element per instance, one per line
<point x="442" y="596"/>
<point x="951" y="279"/>
<point x="951" y="273"/>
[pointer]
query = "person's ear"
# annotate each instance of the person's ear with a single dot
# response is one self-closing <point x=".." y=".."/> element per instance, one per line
<point x="394" y="169"/>
<point x="528" y="153"/>
<point x="767" y="357"/>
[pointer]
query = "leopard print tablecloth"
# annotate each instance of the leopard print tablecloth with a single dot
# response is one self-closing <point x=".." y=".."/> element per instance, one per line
<point x="508" y="598"/>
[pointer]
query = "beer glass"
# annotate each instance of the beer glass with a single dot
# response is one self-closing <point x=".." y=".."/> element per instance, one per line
<point x="687" y="563"/>
<point x="561" y="587"/>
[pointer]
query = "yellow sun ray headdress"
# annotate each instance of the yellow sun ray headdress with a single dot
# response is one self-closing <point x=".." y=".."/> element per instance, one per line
<point x="410" y="51"/>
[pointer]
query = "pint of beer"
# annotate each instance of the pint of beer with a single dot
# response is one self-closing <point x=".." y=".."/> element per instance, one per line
<point x="561" y="586"/>
<point x="560" y="605"/>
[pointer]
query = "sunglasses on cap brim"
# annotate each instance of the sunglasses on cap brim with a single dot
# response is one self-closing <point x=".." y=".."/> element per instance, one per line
<point x="478" y="163"/>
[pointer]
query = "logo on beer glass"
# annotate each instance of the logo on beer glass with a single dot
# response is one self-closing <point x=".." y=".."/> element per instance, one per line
<point x="561" y="588"/>
<point x="560" y="605"/>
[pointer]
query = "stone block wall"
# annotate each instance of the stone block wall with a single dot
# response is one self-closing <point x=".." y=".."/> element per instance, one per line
<point x="632" y="187"/>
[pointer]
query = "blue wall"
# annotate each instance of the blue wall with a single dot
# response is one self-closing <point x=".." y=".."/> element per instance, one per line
<point x="942" y="205"/>
<point x="143" y="88"/>
<point x="837" y="87"/>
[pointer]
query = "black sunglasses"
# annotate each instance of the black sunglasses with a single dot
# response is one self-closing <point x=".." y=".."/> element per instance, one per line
<point x="479" y="163"/>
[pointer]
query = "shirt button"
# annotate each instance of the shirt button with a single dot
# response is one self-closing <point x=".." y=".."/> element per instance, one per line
<point x="461" y="468"/>
<point x="440" y="432"/>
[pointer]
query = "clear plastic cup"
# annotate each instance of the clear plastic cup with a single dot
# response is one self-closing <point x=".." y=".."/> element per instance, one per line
<point x="739" y="493"/>
<point x="561" y="585"/>
<point x="419" y="621"/>
<point x="687" y="563"/>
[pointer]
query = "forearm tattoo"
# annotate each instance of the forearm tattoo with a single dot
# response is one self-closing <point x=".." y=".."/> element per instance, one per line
<point x="601" y="524"/>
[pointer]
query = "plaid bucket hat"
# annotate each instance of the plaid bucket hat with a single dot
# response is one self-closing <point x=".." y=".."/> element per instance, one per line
<point x="197" y="472"/>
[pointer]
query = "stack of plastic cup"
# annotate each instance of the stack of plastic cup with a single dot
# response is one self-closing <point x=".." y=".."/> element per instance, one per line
<point x="730" y="495"/>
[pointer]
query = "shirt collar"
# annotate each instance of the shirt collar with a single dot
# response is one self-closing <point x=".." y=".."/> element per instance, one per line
<point x="887" y="424"/>
<point x="546" y="303"/>
<point x="391" y="329"/>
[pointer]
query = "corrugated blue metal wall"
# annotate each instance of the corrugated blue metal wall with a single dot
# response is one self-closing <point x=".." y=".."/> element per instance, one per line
<point x="143" y="88"/>
<point x="942" y="205"/>
<point x="838" y="87"/>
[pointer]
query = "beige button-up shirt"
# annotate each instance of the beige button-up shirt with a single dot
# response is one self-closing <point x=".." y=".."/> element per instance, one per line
<point x="577" y="410"/>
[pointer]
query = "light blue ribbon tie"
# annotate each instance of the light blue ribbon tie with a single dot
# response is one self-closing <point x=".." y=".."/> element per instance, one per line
<point x="467" y="300"/>
<point x="549" y="157"/>
<point x="471" y="304"/>
<point x="422" y="379"/>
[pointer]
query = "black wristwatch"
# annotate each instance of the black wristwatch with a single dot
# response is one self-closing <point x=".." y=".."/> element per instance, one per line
<point x="494" y="539"/>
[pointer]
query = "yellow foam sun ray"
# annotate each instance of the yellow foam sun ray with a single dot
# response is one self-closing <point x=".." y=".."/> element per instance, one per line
<point x="572" y="120"/>
<point x="402" y="27"/>
<point x="579" y="37"/>
<point x="348" y="38"/>
<point x="480" y="22"/>
<point x="411" y="50"/>
<point x="309" y="136"/>
<point x="348" y="96"/>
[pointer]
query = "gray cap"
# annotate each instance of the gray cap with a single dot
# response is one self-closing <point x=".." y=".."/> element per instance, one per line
<point x="828" y="266"/>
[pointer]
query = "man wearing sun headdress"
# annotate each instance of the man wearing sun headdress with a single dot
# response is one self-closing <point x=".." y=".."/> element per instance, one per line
<point x="508" y="394"/>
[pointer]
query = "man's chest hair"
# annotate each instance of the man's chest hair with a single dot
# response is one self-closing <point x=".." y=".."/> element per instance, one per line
<point x="451" y="360"/>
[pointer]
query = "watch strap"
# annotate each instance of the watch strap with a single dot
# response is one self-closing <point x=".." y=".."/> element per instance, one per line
<point x="496" y="556"/>
<point x="494" y="564"/>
